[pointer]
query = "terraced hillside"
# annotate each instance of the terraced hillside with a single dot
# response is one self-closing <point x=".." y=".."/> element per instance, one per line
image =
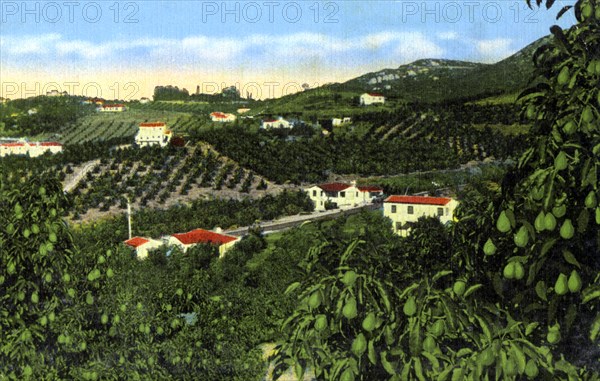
<point x="159" y="178"/>
<point x="98" y="127"/>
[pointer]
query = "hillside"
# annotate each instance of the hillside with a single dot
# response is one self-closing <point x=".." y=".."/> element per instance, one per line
<point x="437" y="79"/>
<point x="425" y="80"/>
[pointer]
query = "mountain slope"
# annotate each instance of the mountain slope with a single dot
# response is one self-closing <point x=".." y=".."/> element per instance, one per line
<point x="438" y="79"/>
<point x="433" y="80"/>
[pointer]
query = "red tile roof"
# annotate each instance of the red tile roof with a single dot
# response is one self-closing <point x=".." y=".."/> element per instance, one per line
<point x="203" y="236"/>
<point x="375" y="94"/>
<point x="369" y="188"/>
<point x="219" y="115"/>
<point x="153" y="124"/>
<point x="423" y="200"/>
<point x="334" y="187"/>
<point x="136" y="242"/>
<point x="116" y="105"/>
<point x="50" y="144"/>
<point x="13" y="144"/>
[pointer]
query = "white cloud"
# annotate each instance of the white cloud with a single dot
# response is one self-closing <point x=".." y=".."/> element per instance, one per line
<point x="450" y="35"/>
<point x="25" y="45"/>
<point x="258" y="47"/>
<point x="495" y="49"/>
<point x="413" y="46"/>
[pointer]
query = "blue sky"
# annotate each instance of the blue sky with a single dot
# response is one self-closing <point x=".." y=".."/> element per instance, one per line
<point x="218" y="43"/>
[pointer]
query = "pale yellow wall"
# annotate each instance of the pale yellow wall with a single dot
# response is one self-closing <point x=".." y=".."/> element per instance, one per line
<point x="401" y="215"/>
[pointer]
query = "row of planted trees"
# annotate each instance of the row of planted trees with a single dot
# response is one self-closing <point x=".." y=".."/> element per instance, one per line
<point x="519" y="297"/>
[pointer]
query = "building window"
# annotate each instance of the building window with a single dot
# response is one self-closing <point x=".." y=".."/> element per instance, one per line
<point x="343" y="194"/>
<point x="314" y="193"/>
<point x="440" y="212"/>
<point x="398" y="225"/>
<point x="411" y="209"/>
<point x="356" y="194"/>
<point x="446" y="211"/>
<point x="393" y="208"/>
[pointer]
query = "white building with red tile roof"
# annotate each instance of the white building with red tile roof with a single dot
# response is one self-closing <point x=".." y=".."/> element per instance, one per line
<point x="342" y="194"/>
<point x="143" y="245"/>
<point x="367" y="99"/>
<point x="201" y="236"/>
<point x="153" y="133"/>
<point x="276" y="123"/>
<point x="403" y="210"/>
<point x="31" y="149"/>
<point x="222" y="117"/>
<point x="112" y="108"/>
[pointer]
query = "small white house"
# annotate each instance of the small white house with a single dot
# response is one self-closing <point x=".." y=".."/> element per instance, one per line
<point x="32" y="111"/>
<point x="201" y="236"/>
<point x="276" y="123"/>
<point x="144" y="100"/>
<point x="342" y="194"/>
<point x="403" y="210"/>
<point x="367" y="99"/>
<point x="337" y="122"/>
<point x="112" y="108"/>
<point x="150" y="134"/>
<point x="243" y="110"/>
<point x="222" y="117"/>
<point x="143" y="245"/>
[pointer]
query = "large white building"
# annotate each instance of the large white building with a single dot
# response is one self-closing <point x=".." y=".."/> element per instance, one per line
<point x="150" y="134"/>
<point x="276" y="123"/>
<point x="31" y="149"/>
<point x="403" y="210"/>
<point x="367" y="99"/>
<point x="342" y="194"/>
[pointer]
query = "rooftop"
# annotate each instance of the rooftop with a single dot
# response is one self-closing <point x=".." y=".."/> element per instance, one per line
<point x="422" y="200"/>
<point x="203" y="236"/>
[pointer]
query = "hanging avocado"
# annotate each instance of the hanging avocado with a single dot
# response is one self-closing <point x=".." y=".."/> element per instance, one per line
<point x="549" y="222"/>
<point x="561" y="286"/>
<point x="459" y="287"/>
<point x="519" y="271"/>
<point x="410" y="307"/>
<point x="587" y="115"/>
<point x="559" y="211"/>
<point x="489" y="248"/>
<point x="567" y="230"/>
<point x="522" y="237"/>
<point x="503" y="223"/>
<point x="560" y="162"/>
<point x="509" y="270"/>
<point x="564" y="76"/>
<point x="350" y="310"/>
<point x="591" y="200"/>
<point x="574" y="282"/>
<point x="539" y="222"/>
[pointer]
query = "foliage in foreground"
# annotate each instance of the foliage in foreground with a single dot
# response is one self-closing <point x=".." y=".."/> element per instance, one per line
<point x="522" y="300"/>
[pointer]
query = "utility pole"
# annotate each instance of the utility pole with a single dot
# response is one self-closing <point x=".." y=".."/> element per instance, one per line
<point x="129" y="216"/>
